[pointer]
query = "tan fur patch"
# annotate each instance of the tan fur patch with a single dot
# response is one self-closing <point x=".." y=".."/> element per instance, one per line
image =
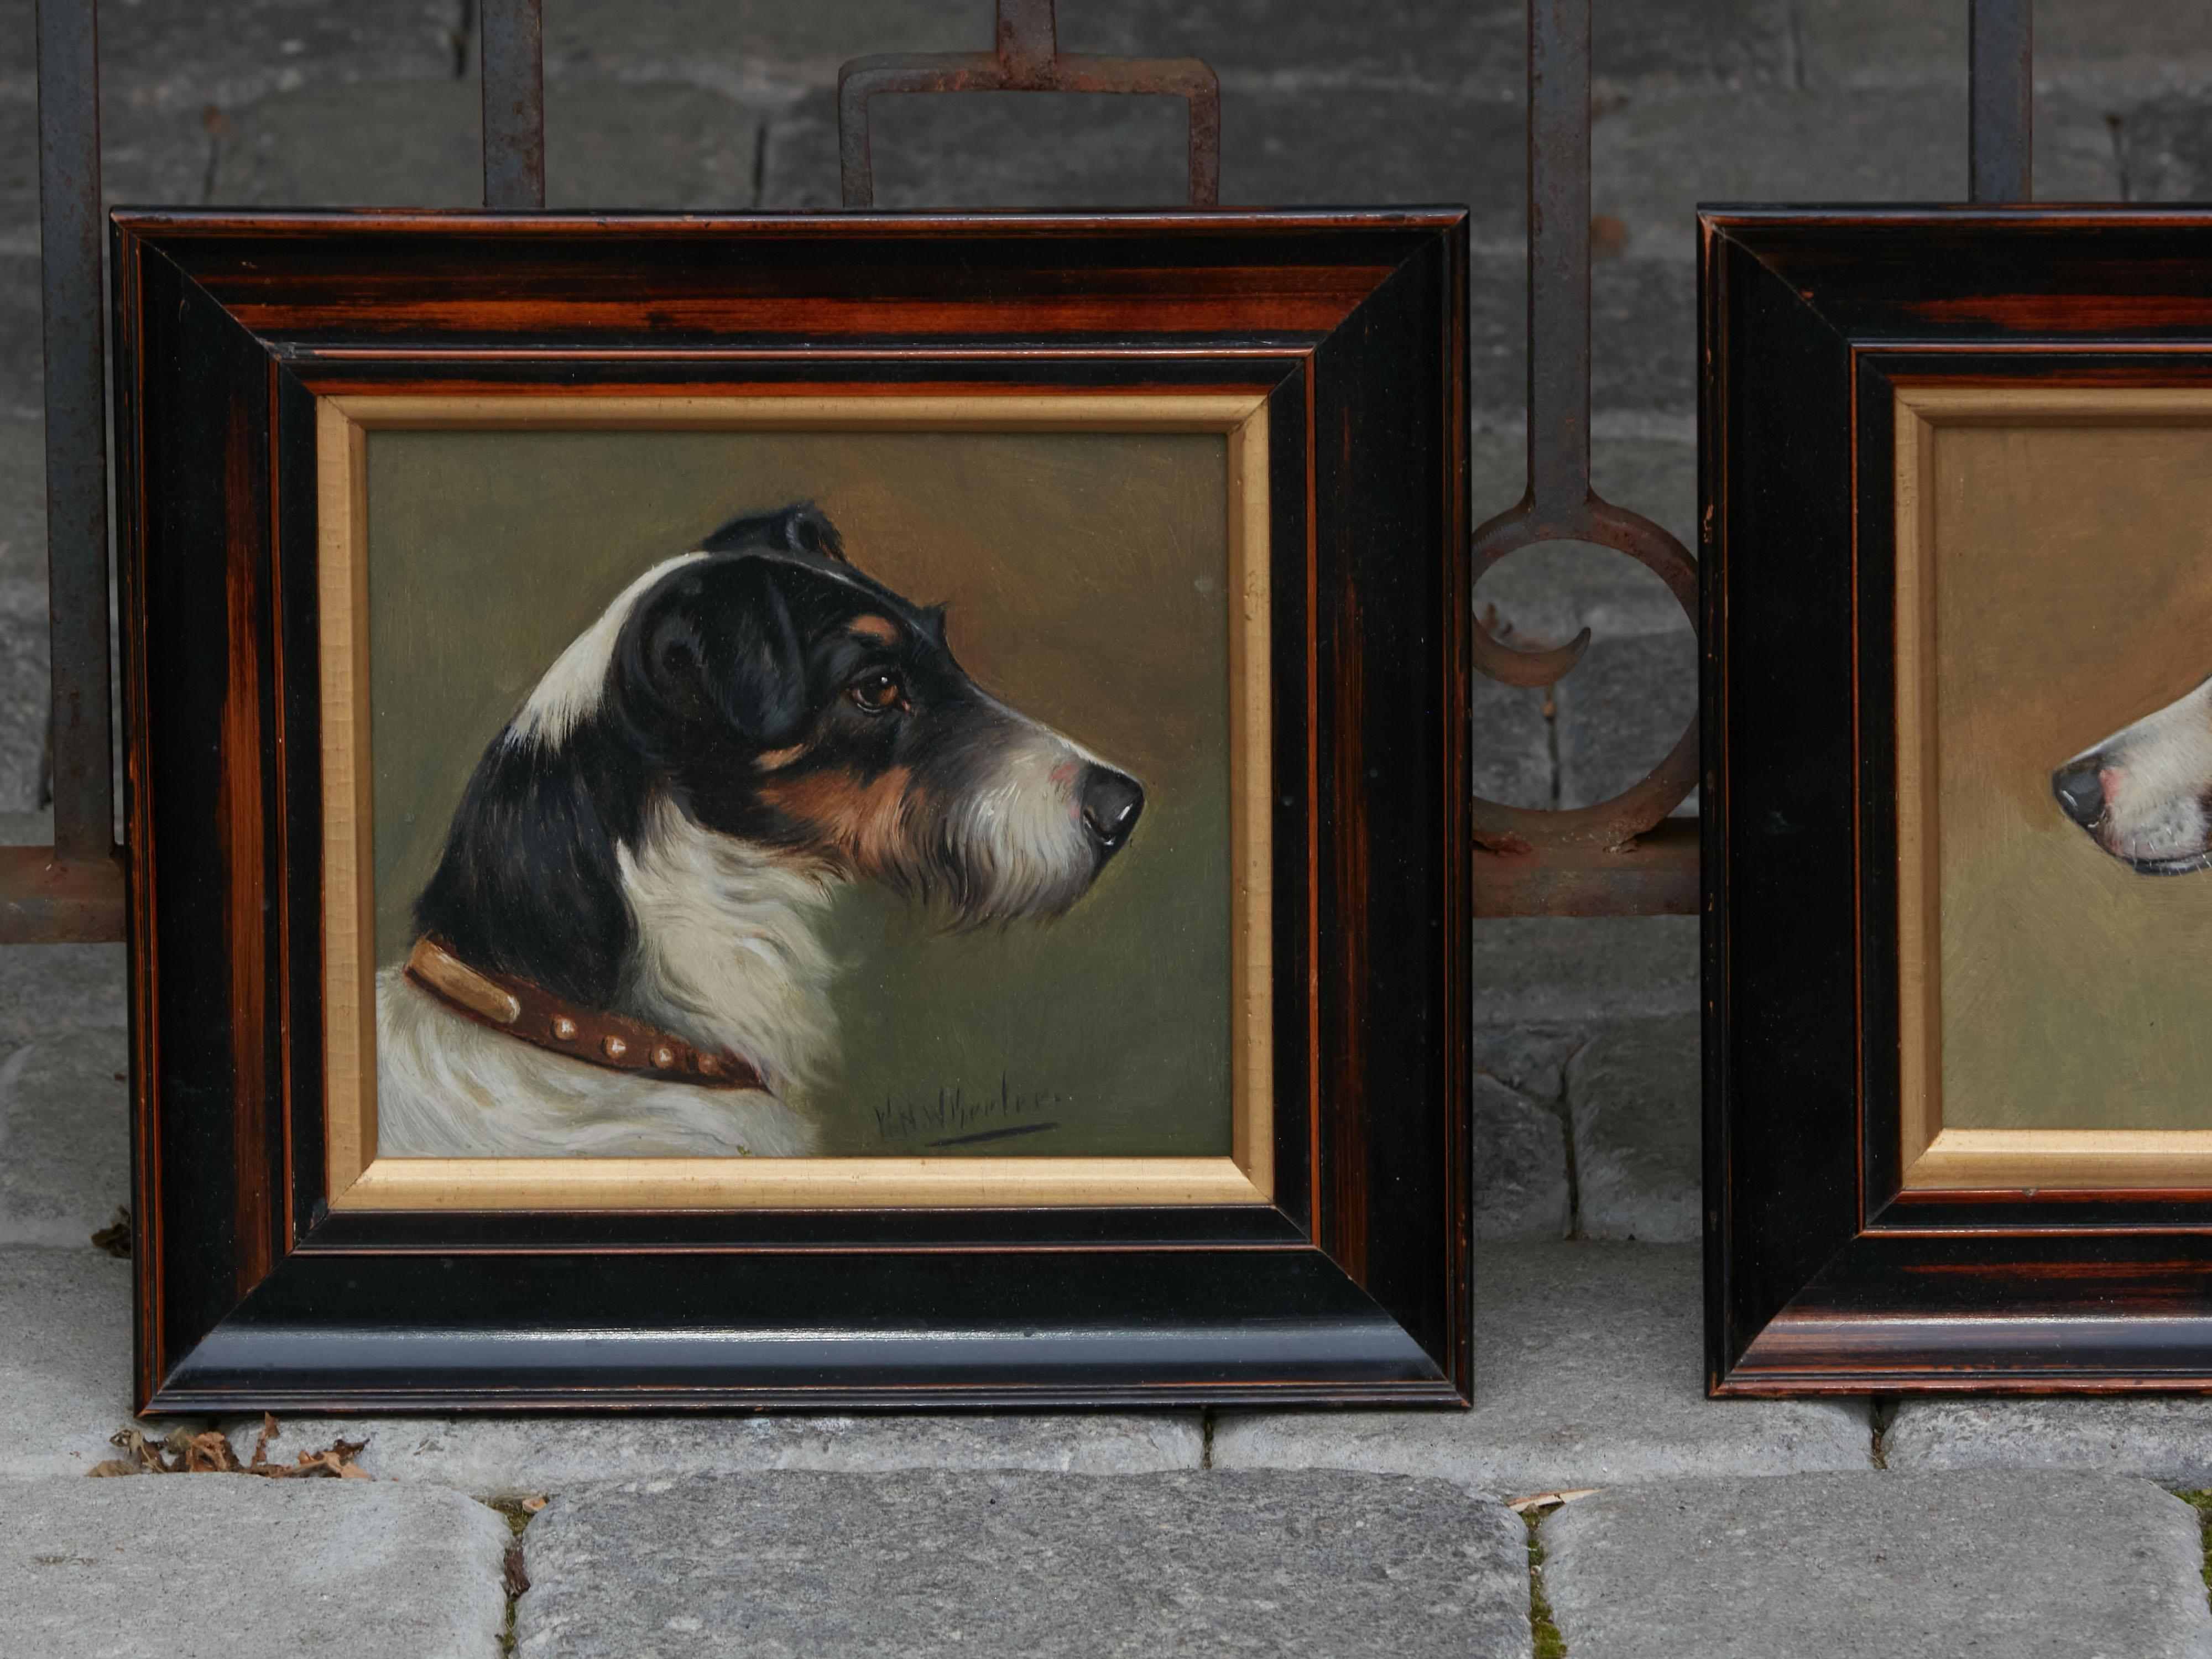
<point x="863" y="821"/>
<point x="874" y="628"/>
<point x="770" y="760"/>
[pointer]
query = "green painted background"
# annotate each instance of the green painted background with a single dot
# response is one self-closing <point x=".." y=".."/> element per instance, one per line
<point x="1086" y="578"/>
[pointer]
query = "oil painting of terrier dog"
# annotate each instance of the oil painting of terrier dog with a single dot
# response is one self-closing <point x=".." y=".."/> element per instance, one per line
<point x="620" y="951"/>
<point x="2144" y="794"/>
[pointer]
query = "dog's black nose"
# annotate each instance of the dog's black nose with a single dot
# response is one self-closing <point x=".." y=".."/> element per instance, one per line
<point x="2080" y="788"/>
<point x="1111" y="802"/>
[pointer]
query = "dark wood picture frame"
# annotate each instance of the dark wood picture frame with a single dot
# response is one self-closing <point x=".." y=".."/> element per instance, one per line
<point x="1350" y="1284"/>
<point x="1847" y="1251"/>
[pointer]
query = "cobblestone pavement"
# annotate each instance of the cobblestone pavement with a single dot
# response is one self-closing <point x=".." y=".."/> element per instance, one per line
<point x="1959" y="1526"/>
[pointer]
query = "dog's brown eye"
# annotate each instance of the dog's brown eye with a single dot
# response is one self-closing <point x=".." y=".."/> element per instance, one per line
<point x="878" y="691"/>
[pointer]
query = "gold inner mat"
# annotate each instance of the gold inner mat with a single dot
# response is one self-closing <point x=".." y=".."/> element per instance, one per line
<point x="2015" y="1154"/>
<point x="359" y="1179"/>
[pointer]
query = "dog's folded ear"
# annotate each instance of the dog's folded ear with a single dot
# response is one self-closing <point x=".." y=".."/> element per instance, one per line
<point x="804" y="528"/>
<point x="723" y="645"/>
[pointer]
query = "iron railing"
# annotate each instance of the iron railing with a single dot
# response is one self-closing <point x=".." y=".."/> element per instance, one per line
<point x="1623" y="856"/>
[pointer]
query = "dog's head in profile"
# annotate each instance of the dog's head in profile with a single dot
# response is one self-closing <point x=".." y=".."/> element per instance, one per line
<point x="653" y="835"/>
<point x="2144" y="794"/>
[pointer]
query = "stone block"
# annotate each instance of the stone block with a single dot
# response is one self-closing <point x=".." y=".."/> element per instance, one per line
<point x="378" y="143"/>
<point x="1512" y="744"/>
<point x="1027" y="1566"/>
<point x="1867" y="1566"/>
<point x="1699" y="45"/>
<point x="799" y="159"/>
<point x="22" y="502"/>
<point x="1643" y="338"/>
<point x="1588" y="1372"/>
<point x="181" y="55"/>
<point x="1529" y="1059"/>
<point x="2166" y="1438"/>
<point x="402" y="144"/>
<point x="2117" y="52"/>
<point x="1633" y="1092"/>
<point x="25" y="697"/>
<point x="764" y="49"/>
<point x="23" y="344"/>
<point x="146" y="156"/>
<point x="1520" y="1166"/>
<point x="2107" y="52"/>
<point x="65" y="1365"/>
<point x="609" y="144"/>
<point x="1880" y="44"/>
<point x="1553" y="968"/>
<point x="57" y="993"/>
<point x="1625" y="706"/>
<point x="195" y="1566"/>
<point x="1470" y="49"/>
<point x="2166" y="150"/>
<point x="993" y="150"/>
<point x="1657" y="477"/>
<point x="1315" y="146"/>
<point x="1652" y="161"/>
<point x="65" y="1137"/>
<point x="508" y="1456"/>
<point x="1644" y="328"/>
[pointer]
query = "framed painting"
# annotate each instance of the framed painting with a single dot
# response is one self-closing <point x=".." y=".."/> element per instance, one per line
<point x="1958" y="806"/>
<point x="796" y="812"/>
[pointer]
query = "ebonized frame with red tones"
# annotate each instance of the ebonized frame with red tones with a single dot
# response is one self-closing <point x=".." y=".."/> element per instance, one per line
<point x="1351" y="1287"/>
<point x="1824" y="1273"/>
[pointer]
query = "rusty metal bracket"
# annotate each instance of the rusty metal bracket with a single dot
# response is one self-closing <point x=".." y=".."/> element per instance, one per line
<point x="73" y="889"/>
<point x="1600" y="860"/>
<point x="1026" y="58"/>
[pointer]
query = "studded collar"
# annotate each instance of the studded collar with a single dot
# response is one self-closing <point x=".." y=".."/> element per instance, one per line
<point x="537" y="1016"/>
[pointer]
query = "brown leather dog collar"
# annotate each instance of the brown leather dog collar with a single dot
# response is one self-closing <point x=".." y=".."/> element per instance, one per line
<point x="537" y="1016"/>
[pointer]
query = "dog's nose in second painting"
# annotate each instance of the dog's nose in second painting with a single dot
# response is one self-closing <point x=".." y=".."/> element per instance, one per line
<point x="2080" y="788"/>
<point x="1111" y="802"/>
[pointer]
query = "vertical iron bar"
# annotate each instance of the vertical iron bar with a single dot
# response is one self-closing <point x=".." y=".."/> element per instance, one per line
<point x="513" y="70"/>
<point x="1559" y="257"/>
<point x="1027" y="36"/>
<point x="2001" y="104"/>
<point x="77" y="427"/>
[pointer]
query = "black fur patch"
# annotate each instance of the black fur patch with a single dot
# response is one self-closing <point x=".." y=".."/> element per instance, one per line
<point x="726" y="658"/>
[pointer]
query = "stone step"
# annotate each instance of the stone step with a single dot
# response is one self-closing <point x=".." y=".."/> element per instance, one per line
<point x="1990" y="1565"/>
<point x="2167" y="1437"/>
<point x="232" y="1567"/>
<point x="1588" y="1372"/>
<point x="1024" y="1565"/>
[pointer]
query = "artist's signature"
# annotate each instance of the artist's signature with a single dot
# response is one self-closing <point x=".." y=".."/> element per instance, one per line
<point x="956" y="1118"/>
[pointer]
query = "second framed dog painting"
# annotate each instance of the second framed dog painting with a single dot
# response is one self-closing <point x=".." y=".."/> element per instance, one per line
<point x="1959" y="751"/>
<point x="798" y="813"/>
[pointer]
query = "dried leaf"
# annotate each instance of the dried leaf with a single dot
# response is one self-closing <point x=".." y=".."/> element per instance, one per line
<point x="115" y="1236"/>
<point x="531" y="1505"/>
<point x="143" y="1452"/>
<point x="1545" y="1500"/>
<point x="210" y="1454"/>
<point x="113" y="1466"/>
<point x="518" y="1578"/>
